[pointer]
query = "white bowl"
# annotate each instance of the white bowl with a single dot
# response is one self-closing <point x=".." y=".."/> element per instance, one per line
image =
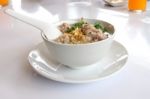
<point x="79" y="55"/>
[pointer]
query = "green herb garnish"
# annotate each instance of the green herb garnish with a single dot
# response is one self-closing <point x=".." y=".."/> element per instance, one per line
<point x="76" y="25"/>
<point x="70" y="29"/>
<point x="98" y="25"/>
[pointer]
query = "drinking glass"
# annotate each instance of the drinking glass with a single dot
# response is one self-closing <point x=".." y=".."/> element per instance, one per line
<point x="3" y="2"/>
<point x="137" y="5"/>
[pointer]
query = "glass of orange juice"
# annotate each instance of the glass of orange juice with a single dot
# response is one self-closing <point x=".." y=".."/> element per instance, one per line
<point x="137" y="5"/>
<point x="3" y="2"/>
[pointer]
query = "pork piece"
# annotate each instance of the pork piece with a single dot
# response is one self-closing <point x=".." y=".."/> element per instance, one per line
<point x="88" y="28"/>
<point x="65" y="38"/>
<point x="98" y="37"/>
<point x="64" y="27"/>
<point x="92" y="33"/>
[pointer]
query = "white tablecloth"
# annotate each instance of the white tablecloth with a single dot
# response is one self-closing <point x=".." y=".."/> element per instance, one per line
<point x="17" y="39"/>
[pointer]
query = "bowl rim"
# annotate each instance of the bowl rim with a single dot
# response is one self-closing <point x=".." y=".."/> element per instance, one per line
<point x="82" y="44"/>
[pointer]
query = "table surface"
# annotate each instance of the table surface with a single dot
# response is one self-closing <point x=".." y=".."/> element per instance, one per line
<point x="17" y="39"/>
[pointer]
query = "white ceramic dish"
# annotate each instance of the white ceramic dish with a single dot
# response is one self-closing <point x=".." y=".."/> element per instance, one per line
<point x="72" y="55"/>
<point x="41" y="61"/>
<point x="79" y="55"/>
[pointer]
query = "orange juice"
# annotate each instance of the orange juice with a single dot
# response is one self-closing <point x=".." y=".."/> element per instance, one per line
<point x="3" y="2"/>
<point x="137" y="5"/>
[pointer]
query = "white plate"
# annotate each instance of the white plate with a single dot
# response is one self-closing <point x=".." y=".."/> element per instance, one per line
<point x="41" y="61"/>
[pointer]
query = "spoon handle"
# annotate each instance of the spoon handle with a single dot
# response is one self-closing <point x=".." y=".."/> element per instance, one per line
<point x="27" y="19"/>
<point x="50" y="31"/>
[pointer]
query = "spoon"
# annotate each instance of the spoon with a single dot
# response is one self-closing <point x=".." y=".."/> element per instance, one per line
<point x="45" y="27"/>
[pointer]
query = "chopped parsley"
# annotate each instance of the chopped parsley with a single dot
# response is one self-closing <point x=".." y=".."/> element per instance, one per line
<point x="98" y="25"/>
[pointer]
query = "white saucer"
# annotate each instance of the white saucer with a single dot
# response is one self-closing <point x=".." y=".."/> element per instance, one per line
<point x="40" y="60"/>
